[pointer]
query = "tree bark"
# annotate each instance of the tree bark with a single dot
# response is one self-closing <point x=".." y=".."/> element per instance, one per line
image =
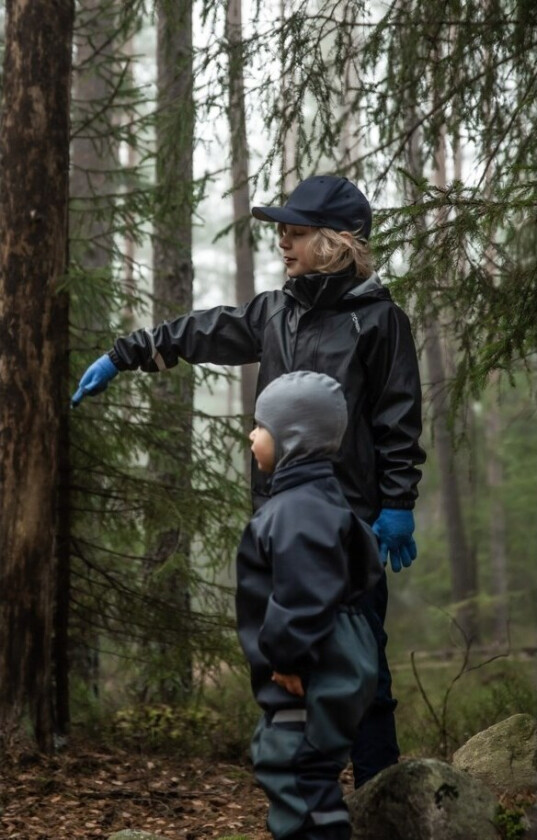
<point x="244" y="251"/>
<point x="93" y="164"/>
<point x="462" y="562"/>
<point x="352" y="117"/>
<point x="173" y="295"/>
<point x="290" y="169"/>
<point x="497" y="532"/>
<point x="94" y="150"/>
<point x="463" y="569"/>
<point x="129" y="248"/>
<point x="33" y="345"/>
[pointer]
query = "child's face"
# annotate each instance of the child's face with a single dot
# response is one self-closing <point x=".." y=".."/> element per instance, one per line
<point x="294" y="241"/>
<point x="263" y="448"/>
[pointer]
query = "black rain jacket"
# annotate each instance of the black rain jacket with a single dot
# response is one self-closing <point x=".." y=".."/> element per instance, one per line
<point x="303" y="557"/>
<point x="333" y="324"/>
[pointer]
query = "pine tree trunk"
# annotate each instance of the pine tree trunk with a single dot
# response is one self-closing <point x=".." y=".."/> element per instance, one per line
<point x="94" y="147"/>
<point x="129" y="247"/>
<point x="497" y="532"/>
<point x="463" y="577"/>
<point x="33" y="348"/>
<point x="352" y="117"/>
<point x="60" y="650"/>
<point x="93" y="162"/>
<point x="244" y="252"/>
<point x="462" y="564"/>
<point x="173" y="279"/>
<point x="289" y="129"/>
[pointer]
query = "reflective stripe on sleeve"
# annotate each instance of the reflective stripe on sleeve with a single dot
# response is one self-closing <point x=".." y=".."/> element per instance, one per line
<point x="155" y="355"/>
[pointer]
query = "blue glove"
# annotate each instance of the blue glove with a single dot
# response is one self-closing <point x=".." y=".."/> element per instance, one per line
<point x="95" y="379"/>
<point x="394" y="529"/>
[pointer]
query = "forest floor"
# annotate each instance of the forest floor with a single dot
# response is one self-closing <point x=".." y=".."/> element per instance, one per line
<point x="90" y="794"/>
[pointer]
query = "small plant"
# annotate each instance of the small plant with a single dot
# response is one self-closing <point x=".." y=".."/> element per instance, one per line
<point x="156" y="725"/>
<point x="510" y="823"/>
<point x="477" y="695"/>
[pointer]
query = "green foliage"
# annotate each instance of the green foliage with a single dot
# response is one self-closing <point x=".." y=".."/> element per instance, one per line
<point x="421" y="603"/>
<point x="358" y="89"/>
<point x="157" y="499"/>
<point x="187" y="730"/>
<point x="217" y="724"/>
<point x="510" y="823"/>
<point x="480" y="698"/>
<point x="157" y="608"/>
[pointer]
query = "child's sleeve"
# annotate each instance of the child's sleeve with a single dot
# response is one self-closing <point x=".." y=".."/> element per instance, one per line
<point x="225" y="335"/>
<point x="310" y="578"/>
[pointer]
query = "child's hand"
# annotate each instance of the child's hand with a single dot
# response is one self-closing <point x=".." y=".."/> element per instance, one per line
<point x="291" y="682"/>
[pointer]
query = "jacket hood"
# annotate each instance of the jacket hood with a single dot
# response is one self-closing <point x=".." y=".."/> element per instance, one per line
<point x="370" y="288"/>
<point x="306" y="414"/>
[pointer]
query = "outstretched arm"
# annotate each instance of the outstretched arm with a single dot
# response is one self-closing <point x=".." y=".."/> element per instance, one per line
<point x="223" y="335"/>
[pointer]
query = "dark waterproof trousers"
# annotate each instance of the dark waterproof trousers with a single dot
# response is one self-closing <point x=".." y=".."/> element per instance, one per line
<point x="298" y="753"/>
<point x="375" y="745"/>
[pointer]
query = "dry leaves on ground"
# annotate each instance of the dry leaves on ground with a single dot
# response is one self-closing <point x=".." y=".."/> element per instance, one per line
<point x="89" y="794"/>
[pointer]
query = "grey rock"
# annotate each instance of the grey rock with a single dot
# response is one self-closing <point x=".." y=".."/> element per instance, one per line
<point x="423" y="799"/>
<point x="134" y="834"/>
<point x="504" y="756"/>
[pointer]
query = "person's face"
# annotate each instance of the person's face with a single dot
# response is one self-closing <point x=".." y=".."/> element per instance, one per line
<point x="263" y="448"/>
<point x="294" y="241"/>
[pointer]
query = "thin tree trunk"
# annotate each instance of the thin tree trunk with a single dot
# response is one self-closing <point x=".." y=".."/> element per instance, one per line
<point x="94" y="159"/>
<point x="33" y="351"/>
<point x="244" y="251"/>
<point x="351" y="110"/>
<point x="463" y="570"/>
<point x="129" y="279"/>
<point x="290" y="173"/>
<point x="467" y="462"/>
<point x="497" y="532"/>
<point x="173" y="279"/>
<point x="60" y="652"/>
<point x="94" y="151"/>
<point x="462" y="563"/>
<point x="495" y="475"/>
<point x="463" y="583"/>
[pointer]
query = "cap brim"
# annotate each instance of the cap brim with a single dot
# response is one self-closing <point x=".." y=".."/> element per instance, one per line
<point x="283" y="215"/>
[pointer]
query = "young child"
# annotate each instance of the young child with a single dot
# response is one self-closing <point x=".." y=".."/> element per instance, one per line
<point x="332" y="316"/>
<point x="303" y="565"/>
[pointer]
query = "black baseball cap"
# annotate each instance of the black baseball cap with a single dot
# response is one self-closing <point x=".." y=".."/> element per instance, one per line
<point x="322" y="201"/>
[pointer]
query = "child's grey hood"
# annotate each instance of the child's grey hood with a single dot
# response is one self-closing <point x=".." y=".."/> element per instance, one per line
<point x="306" y="414"/>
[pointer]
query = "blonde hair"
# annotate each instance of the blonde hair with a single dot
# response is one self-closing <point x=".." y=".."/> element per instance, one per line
<point x="331" y="251"/>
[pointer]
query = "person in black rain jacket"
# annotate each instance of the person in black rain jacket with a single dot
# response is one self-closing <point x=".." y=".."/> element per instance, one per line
<point x="332" y="316"/>
<point x="303" y="565"/>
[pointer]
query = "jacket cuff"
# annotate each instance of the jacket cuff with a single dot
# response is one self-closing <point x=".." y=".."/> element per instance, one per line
<point x="114" y="358"/>
<point x="398" y="504"/>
